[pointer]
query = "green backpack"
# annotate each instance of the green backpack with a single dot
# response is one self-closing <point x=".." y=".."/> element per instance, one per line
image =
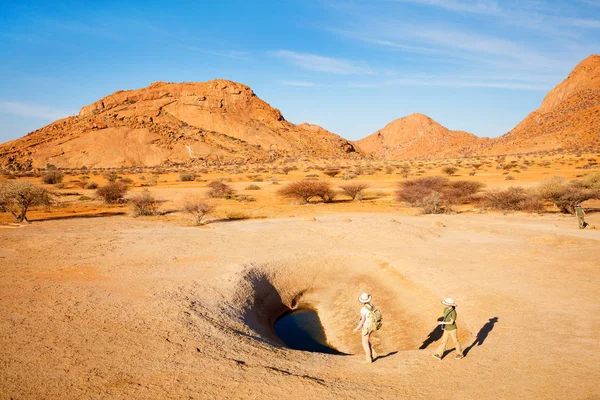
<point x="375" y="318"/>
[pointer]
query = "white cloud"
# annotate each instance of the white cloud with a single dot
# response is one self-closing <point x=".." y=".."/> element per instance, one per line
<point x="33" y="110"/>
<point x="452" y="83"/>
<point x="532" y="15"/>
<point x="319" y="63"/>
<point x="298" y="83"/>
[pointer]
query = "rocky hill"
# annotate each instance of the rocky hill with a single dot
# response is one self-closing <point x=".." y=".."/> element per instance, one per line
<point x="173" y="123"/>
<point x="418" y="136"/>
<point x="568" y="118"/>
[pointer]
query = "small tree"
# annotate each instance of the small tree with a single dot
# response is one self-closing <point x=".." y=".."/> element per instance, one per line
<point x="405" y="171"/>
<point x="111" y="176"/>
<point x="197" y="209"/>
<point x="514" y="198"/>
<point x="52" y="177"/>
<point x="354" y="190"/>
<point x="187" y="176"/>
<point x="219" y="189"/>
<point x="306" y="190"/>
<point x="113" y="192"/>
<point x="17" y="197"/>
<point x="565" y="195"/>
<point x="144" y="203"/>
<point x="450" y="171"/>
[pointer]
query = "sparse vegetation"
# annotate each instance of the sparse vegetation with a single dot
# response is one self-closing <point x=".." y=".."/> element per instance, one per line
<point x="53" y="177"/>
<point x="17" y="197"/>
<point x="220" y="190"/>
<point x="252" y="187"/>
<point x="436" y="194"/>
<point x="354" y="190"/>
<point x="198" y="209"/>
<point x="144" y="203"/>
<point x="307" y="190"/>
<point x="113" y="192"/>
<point x="187" y="177"/>
<point x="450" y="171"/>
<point x="564" y="195"/>
<point x="514" y="198"/>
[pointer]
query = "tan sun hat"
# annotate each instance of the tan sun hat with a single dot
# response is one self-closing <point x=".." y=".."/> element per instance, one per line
<point x="364" y="298"/>
<point x="449" y="301"/>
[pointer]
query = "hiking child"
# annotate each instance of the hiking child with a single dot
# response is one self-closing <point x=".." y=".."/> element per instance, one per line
<point x="366" y="322"/>
<point x="448" y="324"/>
<point x="580" y="216"/>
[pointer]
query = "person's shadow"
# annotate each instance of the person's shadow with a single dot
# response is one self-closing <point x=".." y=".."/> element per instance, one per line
<point x="434" y="335"/>
<point x="482" y="335"/>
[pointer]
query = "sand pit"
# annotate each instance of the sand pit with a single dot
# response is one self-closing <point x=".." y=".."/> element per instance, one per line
<point x="139" y="308"/>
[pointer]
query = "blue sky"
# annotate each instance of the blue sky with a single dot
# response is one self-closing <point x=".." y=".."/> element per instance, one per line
<point x="351" y="66"/>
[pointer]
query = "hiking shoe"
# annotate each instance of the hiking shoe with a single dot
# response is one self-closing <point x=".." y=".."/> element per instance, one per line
<point x="437" y="356"/>
<point x="459" y="356"/>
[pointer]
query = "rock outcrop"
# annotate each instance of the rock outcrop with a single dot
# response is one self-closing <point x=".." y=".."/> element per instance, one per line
<point x="568" y="118"/>
<point x="173" y="123"/>
<point x="418" y="136"/>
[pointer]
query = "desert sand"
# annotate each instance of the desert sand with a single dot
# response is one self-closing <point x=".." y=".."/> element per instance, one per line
<point x="145" y="308"/>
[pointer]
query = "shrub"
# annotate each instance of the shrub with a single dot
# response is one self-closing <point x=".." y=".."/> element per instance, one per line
<point x="348" y="175"/>
<point x="144" y="204"/>
<point x="252" y="187"/>
<point x="449" y="170"/>
<point x="514" y="198"/>
<point x="237" y="215"/>
<point x="509" y="178"/>
<point x="332" y="172"/>
<point x="565" y="195"/>
<point x="91" y="185"/>
<point x="52" y="177"/>
<point x="404" y="171"/>
<point x="461" y="191"/>
<point x="17" y="197"/>
<point x="306" y="190"/>
<point x="111" y="176"/>
<point x="187" y="177"/>
<point x="354" y="190"/>
<point x="113" y="192"/>
<point x="415" y="190"/>
<point x="197" y="209"/>
<point x="126" y="181"/>
<point x="435" y="193"/>
<point x="219" y="190"/>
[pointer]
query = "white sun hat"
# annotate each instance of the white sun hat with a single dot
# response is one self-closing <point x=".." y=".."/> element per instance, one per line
<point x="364" y="298"/>
<point x="449" y="301"/>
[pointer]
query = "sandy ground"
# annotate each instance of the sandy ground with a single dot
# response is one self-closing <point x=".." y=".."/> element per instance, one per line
<point x="119" y="307"/>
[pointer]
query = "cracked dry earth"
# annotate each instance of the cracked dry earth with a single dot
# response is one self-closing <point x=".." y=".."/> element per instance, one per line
<point x="142" y="308"/>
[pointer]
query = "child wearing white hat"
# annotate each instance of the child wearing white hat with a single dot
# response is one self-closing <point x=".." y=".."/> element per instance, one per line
<point x="448" y="324"/>
<point x="365" y="311"/>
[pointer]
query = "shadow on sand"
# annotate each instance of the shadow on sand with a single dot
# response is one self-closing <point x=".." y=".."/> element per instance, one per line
<point x="482" y="335"/>
<point x="434" y="336"/>
<point x="386" y="355"/>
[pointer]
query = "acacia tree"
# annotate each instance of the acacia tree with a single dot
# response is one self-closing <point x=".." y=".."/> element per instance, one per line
<point x="197" y="209"/>
<point x="17" y="197"/>
<point x="354" y="190"/>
